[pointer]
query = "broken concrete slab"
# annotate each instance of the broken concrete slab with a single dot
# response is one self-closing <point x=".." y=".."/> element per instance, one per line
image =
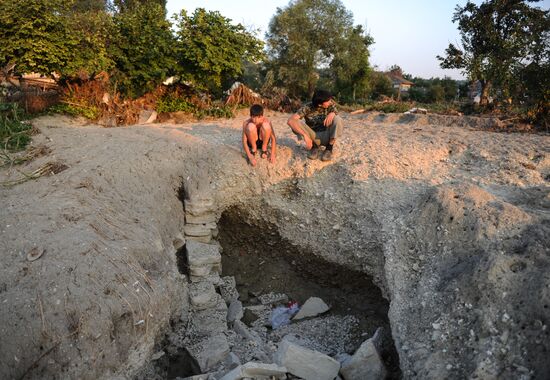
<point x="204" y="270"/>
<point x="364" y="364"/>
<point x="235" y="311"/>
<point x="305" y="363"/>
<point x="200" y="239"/>
<point x="199" y="206"/>
<point x="228" y="289"/>
<point x="212" y="277"/>
<point x="256" y="371"/>
<point x="231" y="361"/>
<point x="208" y="321"/>
<point x="197" y="230"/>
<point x="210" y="351"/>
<point x="273" y="298"/>
<point x="202" y="295"/>
<point x="201" y="254"/>
<point x="209" y="217"/>
<point x="311" y="308"/>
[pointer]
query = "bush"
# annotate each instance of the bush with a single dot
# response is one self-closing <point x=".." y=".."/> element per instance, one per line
<point x="15" y="132"/>
<point x="390" y="107"/>
<point x="91" y="112"/>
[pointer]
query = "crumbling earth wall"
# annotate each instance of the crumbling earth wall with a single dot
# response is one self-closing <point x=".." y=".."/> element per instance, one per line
<point x="450" y="222"/>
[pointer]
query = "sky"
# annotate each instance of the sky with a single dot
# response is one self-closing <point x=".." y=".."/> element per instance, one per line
<point x="408" y="33"/>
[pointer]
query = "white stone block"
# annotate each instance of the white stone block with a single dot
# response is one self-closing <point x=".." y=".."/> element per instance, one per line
<point x="256" y="371"/>
<point x="200" y="253"/>
<point x="364" y="364"/>
<point x="311" y="308"/>
<point x="305" y="363"/>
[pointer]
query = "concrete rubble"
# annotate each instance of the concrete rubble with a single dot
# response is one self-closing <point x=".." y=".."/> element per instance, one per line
<point x="305" y="363"/>
<point x="312" y="308"/>
<point x="221" y="333"/>
<point x="364" y="364"/>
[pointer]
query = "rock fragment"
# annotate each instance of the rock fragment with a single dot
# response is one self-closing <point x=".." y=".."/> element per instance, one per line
<point x="311" y="308"/>
<point x="257" y="371"/>
<point x="305" y="363"/>
<point x="364" y="364"/>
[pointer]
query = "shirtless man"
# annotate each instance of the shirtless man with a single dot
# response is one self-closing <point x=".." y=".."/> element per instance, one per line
<point x="257" y="132"/>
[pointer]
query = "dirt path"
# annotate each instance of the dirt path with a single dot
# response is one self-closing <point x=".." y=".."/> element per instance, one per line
<point x="449" y="220"/>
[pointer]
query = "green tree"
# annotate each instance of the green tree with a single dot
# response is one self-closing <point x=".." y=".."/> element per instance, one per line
<point x="498" y="37"/>
<point x="211" y="49"/>
<point x="306" y="36"/>
<point x="350" y="65"/>
<point x="91" y="31"/>
<point x="37" y="35"/>
<point x="128" y="5"/>
<point x="380" y="85"/>
<point x="143" y="48"/>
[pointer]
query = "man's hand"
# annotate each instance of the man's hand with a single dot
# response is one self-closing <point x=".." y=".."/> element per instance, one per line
<point x="328" y="120"/>
<point x="252" y="160"/>
<point x="308" y="141"/>
<point x="272" y="158"/>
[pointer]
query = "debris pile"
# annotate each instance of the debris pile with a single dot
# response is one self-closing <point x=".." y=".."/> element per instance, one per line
<point x="228" y="336"/>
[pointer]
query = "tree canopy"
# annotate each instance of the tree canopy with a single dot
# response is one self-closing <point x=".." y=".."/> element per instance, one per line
<point x="310" y="35"/>
<point x="211" y="48"/>
<point x="499" y="38"/>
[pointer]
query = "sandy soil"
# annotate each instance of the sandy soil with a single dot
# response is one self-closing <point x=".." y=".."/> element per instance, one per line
<point x="449" y="219"/>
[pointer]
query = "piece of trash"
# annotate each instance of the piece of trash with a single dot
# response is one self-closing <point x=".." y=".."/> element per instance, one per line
<point x="140" y="322"/>
<point x="35" y="254"/>
<point x="281" y="315"/>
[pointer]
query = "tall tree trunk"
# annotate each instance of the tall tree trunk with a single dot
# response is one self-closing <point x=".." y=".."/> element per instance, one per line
<point x="484" y="96"/>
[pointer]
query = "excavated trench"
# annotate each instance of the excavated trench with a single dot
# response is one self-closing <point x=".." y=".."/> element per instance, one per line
<point x="263" y="262"/>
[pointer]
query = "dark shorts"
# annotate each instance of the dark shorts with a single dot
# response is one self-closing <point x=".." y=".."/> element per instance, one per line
<point x="259" y="144"/>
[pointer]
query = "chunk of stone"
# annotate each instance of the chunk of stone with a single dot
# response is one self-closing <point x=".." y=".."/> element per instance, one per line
<point x="203" y="295"/>
<point x="200" y="254"/>
<point x="210" y="351"/>
<point x="198" y="206"/>
<point x="306" y="363"/>
<point x="257" y="371"/>
<point x="228" y="289"/>
<point x="200" y="239"/>
<point x="235" y="311"/>
<point x="364" y="364"/>
<point x="209" y="217"/>
<point x="311" y="308"/>
<point x="208" y="321"/>
<point x="249" y="316"/>
<point x="231" y="361"/>
<point x="273" y="298"/>
<point x="205" y="270"/>
<point x="212" y="277"/>
<point x="197" y="230"/>
<point x="147" y="116"/>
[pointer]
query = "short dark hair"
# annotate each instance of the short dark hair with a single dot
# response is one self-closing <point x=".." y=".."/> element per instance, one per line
<point x="256" y="110"/>
<point x="320" y="96"/>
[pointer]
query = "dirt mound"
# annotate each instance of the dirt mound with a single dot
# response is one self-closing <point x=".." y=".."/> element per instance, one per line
<point x="450" y="221"/>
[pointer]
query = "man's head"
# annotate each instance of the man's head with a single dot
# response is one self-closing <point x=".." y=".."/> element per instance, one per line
<point x="321" y="98"/>
<point x="256" y="110"/>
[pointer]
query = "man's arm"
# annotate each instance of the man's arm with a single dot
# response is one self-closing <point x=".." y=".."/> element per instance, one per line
<point x="273" y="145"/>
<point x="250" y="156"/>
<point x="332" y="112"/>
<point x="295" y="125"/>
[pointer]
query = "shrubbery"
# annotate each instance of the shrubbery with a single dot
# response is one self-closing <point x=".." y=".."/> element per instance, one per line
<point x="15" y="131"/>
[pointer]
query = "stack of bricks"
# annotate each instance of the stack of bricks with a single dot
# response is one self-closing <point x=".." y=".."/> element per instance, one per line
<point x="206" y="341"/>
<point x="204" y="261"/>
<point x="200" y="219"/>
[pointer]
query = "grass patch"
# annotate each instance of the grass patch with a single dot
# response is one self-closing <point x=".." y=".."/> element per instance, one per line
<point x="89" y="112"/>
<point x="15" y="130"/>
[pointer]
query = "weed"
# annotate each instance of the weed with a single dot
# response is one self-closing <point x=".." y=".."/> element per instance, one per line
<point x="15" y="131"/>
